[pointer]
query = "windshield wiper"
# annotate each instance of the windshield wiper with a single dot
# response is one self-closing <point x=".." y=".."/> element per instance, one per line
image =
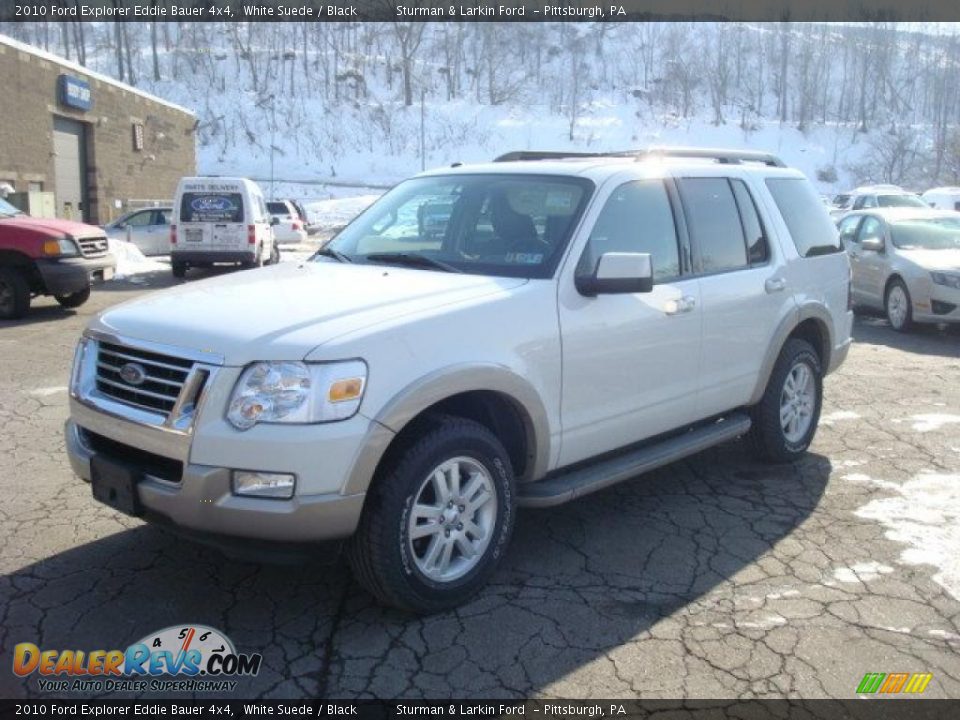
<point x="335" y="254"/>
<point x="409" y="258"/>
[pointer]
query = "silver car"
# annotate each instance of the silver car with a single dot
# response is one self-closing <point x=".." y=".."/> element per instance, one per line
<point x="906" y="262"/>
<point x="148" y="229"/>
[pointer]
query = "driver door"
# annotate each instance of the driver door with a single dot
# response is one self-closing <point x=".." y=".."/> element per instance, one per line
<point x="871" y="266"/>
<point x="630" y="361"/>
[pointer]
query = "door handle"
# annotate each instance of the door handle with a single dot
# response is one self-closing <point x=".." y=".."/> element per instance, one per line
<point x="681" y="305"/>
<point x="776" y="284"/>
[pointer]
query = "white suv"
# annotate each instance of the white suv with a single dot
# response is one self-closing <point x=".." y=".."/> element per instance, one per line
<point x="875" y="196"/>
<point x="577" y="321"/>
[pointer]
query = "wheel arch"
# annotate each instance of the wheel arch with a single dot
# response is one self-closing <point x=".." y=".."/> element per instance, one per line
<point x="496" y="397"/>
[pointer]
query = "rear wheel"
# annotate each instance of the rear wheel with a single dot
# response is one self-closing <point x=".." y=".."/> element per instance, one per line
<point x="785" y="420"/>
<point x="275" y="254"/>
<point x="436" y="525"/>
<point x="179" y="268"/>
<point x="14" y="294"/>
<point x="74" y="299"/>
<point x="899" y="306"/>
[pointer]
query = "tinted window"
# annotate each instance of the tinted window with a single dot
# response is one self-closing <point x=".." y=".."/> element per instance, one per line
<point x="278" y="208"/>
<point x="211" y="207"/>
<point x="805" y="217"/>
<point x="871" y="228"/>
<point x="636" y="218"/>
<point x="757" y="251"/>
<point x="162" y="217"/>
<point x="714" y="223"/>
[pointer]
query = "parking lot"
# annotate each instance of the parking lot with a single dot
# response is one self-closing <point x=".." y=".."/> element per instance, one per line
<point x="714" y="577"/>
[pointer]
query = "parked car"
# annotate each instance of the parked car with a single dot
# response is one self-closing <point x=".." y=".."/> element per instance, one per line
<point x="943" y="198"/>
<point x="874" y="196"/>
<point x="289" y="227"/>
<point x="308" y="224"/>
<point x="148" y="229"/>
<point x="220" y="220"/>
<point x="48" y="257"/>
<point x="580" y="321"/>
<point x="906" y="262"/>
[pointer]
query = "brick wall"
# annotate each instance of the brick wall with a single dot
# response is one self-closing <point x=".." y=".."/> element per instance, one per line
<point x="115" y="171"/>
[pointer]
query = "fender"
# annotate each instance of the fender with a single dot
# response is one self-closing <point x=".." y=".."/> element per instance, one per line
<point x="805" y="311"/>
<point x="439" y="385"/>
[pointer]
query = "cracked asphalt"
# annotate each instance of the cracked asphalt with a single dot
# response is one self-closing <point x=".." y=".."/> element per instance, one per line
<point x="714" y="577"/>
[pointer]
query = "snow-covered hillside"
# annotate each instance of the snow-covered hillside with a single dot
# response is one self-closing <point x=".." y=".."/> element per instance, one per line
<point x="369" y="104"/>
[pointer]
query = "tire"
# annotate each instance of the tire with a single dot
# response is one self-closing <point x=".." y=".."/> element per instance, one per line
<point x="74" y="300"/>
<point x="14" y="294"/>
<point x="179" y="269"/>
<point x="274" y="255"/>
<point x="898" y="306"/>
<point x="394" y="567"/>
<point x="774" y="438"/>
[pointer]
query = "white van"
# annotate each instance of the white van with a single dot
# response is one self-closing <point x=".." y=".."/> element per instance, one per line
<point x="220" y="220"/>
<point x="943" y="198"/>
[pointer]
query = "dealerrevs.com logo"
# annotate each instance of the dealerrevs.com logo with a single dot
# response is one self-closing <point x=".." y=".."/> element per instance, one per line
<point x="181" y="658"/>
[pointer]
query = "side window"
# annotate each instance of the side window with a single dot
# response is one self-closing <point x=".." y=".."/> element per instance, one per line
<point x="956" y="206"/>
<point x="160" y="217"/>
<point x="871" y="228"/>
<point x="848" y="229"/>
<point x="714" y="223"/>
<point x="636" y="218"/>
<point x="757" y="250"/>
<point x="868" y="201"/>
<point x="811" y="229"/>
<point x="140" y="219"/>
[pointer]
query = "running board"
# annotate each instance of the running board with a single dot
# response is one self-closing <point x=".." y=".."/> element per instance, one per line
<point x="584" y="480"/>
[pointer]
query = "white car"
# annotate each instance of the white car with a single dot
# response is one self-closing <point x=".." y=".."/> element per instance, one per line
<point x="148" y="229"/>
<point x="577" y="322"/>
<point x="874" y="196"/>
<point x="943" y="198"/>
<point x="289" y="227"/>
<point x="906" y="262"/>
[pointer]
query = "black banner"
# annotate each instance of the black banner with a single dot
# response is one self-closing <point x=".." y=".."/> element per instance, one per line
<point x="872" y="709"/>
<point x="476" y="10"/>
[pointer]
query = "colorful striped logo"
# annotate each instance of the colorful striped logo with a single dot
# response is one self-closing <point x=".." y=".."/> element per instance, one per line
<point x="891" y="683"/>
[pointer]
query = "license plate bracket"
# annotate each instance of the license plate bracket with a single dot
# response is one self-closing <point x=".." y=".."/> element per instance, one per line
<point x="115" y="484"/>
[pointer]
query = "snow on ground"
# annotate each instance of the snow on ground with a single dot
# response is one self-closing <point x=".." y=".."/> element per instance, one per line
<point x="861" y="572"/>
<point x="130" y="261"/>
<point x="332" y="214"/>
<point x="831" y="418"/>
<point x="925" y="515"/>
<point x="933" y="421"/>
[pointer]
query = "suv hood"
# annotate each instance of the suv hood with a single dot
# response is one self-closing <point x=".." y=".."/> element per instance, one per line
<point x="284" y="312"/>
<point x="933" y="259"/>
<point x="53" y="227"/>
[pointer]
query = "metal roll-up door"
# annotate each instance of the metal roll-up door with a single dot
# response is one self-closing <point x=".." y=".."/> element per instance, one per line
<point x="70" y="151"/>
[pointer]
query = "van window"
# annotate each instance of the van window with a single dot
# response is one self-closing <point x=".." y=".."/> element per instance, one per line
<point x="805" y="216"/>
<point x="211" y="207"/>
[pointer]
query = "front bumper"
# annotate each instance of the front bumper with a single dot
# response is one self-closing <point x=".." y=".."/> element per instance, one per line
<point x="202" y="502"/>
<point x="936" y="304"/>
<point x="63" y="276"/>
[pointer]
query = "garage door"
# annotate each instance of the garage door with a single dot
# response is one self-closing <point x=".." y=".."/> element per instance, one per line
<point x="69" y="147"/>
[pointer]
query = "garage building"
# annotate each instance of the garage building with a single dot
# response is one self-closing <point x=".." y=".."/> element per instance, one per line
<point x="99" y="145"/>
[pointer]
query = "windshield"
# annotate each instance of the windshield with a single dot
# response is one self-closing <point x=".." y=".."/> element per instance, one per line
<point x="506" y="225"/>
<point x="926" y="234"/>
<point x="8" y="210"/>
<point x="900" y="201"/>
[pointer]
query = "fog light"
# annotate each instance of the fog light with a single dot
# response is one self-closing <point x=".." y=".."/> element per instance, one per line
<point x="262" y="484"/>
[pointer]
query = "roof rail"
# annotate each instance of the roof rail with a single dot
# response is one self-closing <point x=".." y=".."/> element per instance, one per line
<point x="722" y="156"/>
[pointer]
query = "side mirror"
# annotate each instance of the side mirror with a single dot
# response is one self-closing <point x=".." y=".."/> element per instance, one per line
<point x="618" y="273"/>
<point x="872" y="243"/>
<point x="274" y="221"/>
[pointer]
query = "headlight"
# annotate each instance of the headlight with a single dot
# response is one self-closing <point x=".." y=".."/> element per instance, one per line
<point x="64" y="247"/>
<point x="296" y="392"/>
<point x="947" y="279"/>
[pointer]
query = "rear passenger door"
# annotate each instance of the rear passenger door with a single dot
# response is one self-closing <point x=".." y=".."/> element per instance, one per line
<point x="630" y="361"/>
<point x="743" y="295"/>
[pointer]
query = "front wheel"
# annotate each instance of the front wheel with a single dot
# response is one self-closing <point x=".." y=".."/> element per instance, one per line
<point x="899" y="307"/>
<point x="74" y="300"/>
<point x="435" y="526"/>
<point x="179" y="269"/>
<point x="14" y="294"/>
<point x="785" y="420"/>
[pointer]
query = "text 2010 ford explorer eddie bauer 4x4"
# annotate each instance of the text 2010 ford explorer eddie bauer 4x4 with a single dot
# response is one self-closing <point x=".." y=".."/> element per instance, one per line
<point x="576" y="322"/>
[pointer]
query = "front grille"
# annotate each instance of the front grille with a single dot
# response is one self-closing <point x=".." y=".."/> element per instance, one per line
<point x="146" y="462"/>
<point x="93" y="247"/>
<point x="163" y="376"/>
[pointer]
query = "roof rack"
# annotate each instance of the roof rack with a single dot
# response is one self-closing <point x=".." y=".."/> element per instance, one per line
<point x="724" y="157"/>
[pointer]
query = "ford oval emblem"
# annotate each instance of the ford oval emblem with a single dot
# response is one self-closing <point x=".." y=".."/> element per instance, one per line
<point x="211" y="203"/>
<point x="133" y="374"/>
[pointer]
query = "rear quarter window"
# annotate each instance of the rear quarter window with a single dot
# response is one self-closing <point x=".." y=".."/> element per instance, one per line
<point x="805" y="216"/>
<point x="211" y="207"/>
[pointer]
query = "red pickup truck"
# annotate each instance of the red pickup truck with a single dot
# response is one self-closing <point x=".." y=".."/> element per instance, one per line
<point x="48" y="257"/>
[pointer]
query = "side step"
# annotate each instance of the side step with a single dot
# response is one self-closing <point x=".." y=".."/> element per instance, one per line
<point x="584" y="480"/>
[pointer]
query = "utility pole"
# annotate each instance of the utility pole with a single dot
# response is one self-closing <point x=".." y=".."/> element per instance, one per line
<point x="423" y="138"/>
<point x="273" y="146"/>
